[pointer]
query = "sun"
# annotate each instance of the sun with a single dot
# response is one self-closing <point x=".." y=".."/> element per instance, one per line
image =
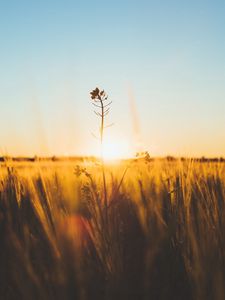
<point x="115" y="150"/>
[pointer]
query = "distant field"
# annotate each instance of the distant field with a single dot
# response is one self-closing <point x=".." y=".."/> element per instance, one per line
<point x="159" y="235"/>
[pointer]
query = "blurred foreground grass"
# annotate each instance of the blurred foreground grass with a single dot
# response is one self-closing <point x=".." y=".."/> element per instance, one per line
<point x="162" y="235"/>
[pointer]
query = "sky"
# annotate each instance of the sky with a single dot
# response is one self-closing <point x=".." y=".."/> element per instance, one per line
<point x="162" y="63"/>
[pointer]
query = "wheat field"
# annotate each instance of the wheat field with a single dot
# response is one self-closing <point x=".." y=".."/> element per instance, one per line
<point x="161" y="234"/>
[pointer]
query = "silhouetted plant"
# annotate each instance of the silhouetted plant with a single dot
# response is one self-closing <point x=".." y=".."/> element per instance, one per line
<point x="102" y="108"/>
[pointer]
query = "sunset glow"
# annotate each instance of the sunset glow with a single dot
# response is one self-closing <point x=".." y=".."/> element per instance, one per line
<point x="164" y="75"/>
<point x="112" y="150"/>
<point x="116" y="149"/>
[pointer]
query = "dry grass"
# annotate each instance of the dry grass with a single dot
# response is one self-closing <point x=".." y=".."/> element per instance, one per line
<point x="163" y="237"/>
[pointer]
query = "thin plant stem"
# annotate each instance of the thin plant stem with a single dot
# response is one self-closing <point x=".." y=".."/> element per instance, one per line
<point x="100" y="101"/>
<point x="102" y="159"/>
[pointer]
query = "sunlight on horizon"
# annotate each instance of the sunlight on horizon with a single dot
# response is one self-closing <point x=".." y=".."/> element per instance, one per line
<point x="116" y="149"/>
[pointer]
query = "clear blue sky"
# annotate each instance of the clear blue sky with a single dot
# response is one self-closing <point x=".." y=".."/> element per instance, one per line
<point x="170" y="55"/>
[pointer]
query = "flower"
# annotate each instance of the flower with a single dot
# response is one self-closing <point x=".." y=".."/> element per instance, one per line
<point x="95" y="93"/>
<point x="98" y="95"/>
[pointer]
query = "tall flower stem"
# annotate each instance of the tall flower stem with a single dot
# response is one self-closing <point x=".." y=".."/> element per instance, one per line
<point x="100" y="100"/>
<point x="102" y="159"/>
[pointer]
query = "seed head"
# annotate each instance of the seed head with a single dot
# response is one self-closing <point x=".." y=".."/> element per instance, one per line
<point x="97" y="94"/>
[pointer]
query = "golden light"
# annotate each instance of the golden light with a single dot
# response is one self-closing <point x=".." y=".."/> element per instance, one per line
<point x="116" y="149"/>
